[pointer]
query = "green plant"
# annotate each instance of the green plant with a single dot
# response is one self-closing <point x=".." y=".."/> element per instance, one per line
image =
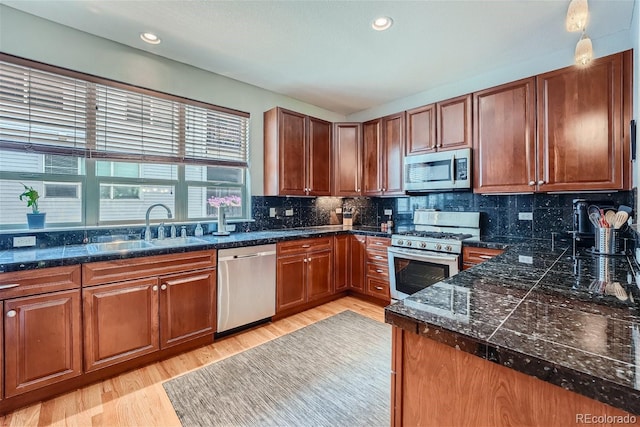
<point x="32" y="197"/>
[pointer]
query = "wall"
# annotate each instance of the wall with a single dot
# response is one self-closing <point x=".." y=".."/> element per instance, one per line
<point x="34" y="38"/>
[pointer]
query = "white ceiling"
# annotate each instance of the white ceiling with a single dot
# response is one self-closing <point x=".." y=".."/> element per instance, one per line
<point x="325" y="52"/>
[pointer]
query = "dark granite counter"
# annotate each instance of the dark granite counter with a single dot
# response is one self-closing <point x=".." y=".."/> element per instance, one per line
<point x="31" y="258"/>
<point x="571" y="321"/>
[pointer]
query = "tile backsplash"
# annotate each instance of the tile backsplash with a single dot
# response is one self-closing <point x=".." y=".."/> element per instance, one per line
<point x="499" y="215"/>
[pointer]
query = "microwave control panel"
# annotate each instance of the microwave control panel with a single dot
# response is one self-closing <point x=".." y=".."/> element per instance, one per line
<point x="460" y="172"/>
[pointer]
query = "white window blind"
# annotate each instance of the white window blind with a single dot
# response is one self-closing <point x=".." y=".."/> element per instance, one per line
<point x="41" y="110"/>
<point x="216" y="136"/>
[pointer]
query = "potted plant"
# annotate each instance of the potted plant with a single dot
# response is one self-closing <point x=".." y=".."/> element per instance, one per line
<point x="34" y="219"/>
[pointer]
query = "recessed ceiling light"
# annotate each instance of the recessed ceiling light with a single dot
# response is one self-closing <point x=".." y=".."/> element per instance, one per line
<point x="150" y="38"/>
<point x="382" y="23"/>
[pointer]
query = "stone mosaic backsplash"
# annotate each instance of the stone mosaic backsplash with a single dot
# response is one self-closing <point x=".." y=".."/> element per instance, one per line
<point x="498" y="214"/>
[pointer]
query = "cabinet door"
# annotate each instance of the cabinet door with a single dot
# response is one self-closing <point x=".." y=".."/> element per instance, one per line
<point x="187" y="307"/>
<point x="581" y="128"/>
<point x="504" y="138"/>
<point x="319" y="160"/>
<point x="319" y="275"/>
<point x="392" y="160"/>
<point x="421" y="130"/>
<point x="358" y="253"/>
<point x="347" y="153"/>
<point x="292" y="153"/>
<point x="454" y="123"/>
<point x="291" y="277"/>
<point x="372" y="154"/>
<point x="341" y="261"/>
<point x="42" y="340"/>
<point x="120" y="322"/>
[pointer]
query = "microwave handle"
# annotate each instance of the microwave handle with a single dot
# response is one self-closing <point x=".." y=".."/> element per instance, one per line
<point x="453" y="168"/>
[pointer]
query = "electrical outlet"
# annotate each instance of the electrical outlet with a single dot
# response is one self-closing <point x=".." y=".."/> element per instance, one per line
<point x="338" y="210"/>
<point x="388" y="212"/>
<point x="525" y="259"/>
<point x="288" y="212"/>
<point x="23" y="241"/>
<point x="525" y="216"/>
<point x="272" y="212"/>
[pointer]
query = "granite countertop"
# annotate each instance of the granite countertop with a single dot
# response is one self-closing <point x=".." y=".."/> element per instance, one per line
<point x="31" y="258"/>
<point x="543" y="312"/>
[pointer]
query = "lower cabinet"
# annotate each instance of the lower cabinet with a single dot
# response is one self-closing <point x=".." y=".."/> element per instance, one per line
<point x="358" y="255"/>
<point x="304" y="272"/>
<point x="42" y="336"/>
<point x="341" y="261"/>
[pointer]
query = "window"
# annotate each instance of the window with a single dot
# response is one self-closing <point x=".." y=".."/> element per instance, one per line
<point x="101" y="152"/>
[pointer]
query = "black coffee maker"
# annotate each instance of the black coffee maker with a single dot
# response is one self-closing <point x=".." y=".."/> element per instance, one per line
<point x="582" y="226"/>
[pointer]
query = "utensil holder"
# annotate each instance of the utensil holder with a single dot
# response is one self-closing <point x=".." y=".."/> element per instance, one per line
<point x="607" y="241"/>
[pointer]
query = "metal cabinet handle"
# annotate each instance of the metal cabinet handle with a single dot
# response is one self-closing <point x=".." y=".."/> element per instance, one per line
<point x="378" y="257"/>
<point x="378" y="243"/>
<point x="532" y="183"/>
<point x="306" y="246"/>
<point x="379" y="288"/>
<point x="540" y="182"/>
<point x="379" y="271"/>
<point x="155" y="288"/>
<point x="163" y="287"/>
<point x="9" y="286"/>
<point x="11" y="313"/>
<point x="485" y="256"/>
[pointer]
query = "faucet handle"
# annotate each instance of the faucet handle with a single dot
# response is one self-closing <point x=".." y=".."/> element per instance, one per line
<point x="173" y="231"/>
<point x="147" y="234"/>
<point x="161" y="231"/>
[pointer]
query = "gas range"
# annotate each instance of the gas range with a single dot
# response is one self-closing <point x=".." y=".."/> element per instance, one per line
<point x="439" y="231"/>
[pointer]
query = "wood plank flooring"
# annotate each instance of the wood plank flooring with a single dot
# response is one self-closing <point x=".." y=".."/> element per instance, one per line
<point x="137" y="398"/>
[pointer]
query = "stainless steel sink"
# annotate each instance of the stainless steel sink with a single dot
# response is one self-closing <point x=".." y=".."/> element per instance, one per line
<point x="124" y="245"/>
<point x="179" y="241"/>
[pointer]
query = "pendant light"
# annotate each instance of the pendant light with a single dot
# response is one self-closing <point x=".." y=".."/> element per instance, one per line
<point x="584" y="50"/>
<point x="577" y="16"/>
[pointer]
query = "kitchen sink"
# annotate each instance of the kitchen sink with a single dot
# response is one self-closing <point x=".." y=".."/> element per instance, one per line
<point x="123" y="245"/>
<point x="178" y="241"/>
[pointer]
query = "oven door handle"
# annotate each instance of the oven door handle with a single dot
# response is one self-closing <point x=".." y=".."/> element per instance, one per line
<point x="421" y="255"/>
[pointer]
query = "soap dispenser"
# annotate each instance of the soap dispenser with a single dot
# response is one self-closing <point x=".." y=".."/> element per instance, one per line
<point x="198" y="232"/>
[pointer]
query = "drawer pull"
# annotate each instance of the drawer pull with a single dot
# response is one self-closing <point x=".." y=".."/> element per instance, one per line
<point x="378" y="243"/>
<point x="379" y="271"/>
<point x="9" y="286"/>
<point x="11" y="313"/>
<point x="306" y="246"/>
<point x="155" y="288"/>
<point x="163" y="287"/>
<point x="378" y="257"/>
<point x="379" y="288"/>
<point x="485" y="256"/>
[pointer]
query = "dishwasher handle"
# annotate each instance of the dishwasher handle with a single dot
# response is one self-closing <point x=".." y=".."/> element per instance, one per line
<point x="253" y="255"/>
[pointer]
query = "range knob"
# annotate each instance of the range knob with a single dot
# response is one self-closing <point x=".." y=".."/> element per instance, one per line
<point x="438" y="247"/>
<point x="408" y="242"/>
<point x="448" y="248"/>
<point x="400" y="242"/>
<point x="423" y="245"/>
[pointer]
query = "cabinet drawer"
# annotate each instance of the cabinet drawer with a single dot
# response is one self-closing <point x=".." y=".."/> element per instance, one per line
<point x="32" y="282"/>
<point x="472" y="255"/>
<point x="378" y="288"/>
<point x="377" y="256"/>
<point x="97" y="273"/>
<point x="378" y="271"/>
<point x="378" y="242"/>
<point x="304" y="245"/>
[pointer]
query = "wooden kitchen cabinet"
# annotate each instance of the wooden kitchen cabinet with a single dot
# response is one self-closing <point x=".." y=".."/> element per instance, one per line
<point x="42" y="340"/>
<point x="383" y="146"/>
<point x="473" y="256"/>
<point x="304" y="272"/>
<point x="504" y="153"/>
<point x="445" y="125"/>
<point x="169" y="299"/>
<point x="341" y="262"/>
<point x="358" y="254"/>
<point x="297" y="154"/>
<point x="347" y="159"/>
<point x="582" y="133"/>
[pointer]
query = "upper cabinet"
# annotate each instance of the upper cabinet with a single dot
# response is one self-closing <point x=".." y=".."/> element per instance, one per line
<point x="582" y="127"/>
<point x="445" y="125"/>
<point x="504" y="138"/>
<point x="582" y="139"/>
<point x="383" y="146"/>
<point x="347" y="159"/>
<point x="297" y="154"/>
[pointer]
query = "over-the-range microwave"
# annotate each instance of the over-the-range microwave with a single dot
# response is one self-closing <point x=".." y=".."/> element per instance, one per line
<point x="441" y="171"/>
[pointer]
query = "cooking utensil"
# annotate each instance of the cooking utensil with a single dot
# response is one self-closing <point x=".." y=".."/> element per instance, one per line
<point x="603" y="221"/>
<point x="625" y="208"/>
<point x="593" y="209"/>
<point x="610" y="216"/>
<point x="620" y="219"/>
<point x="595" y="219"/>
<point x="616" y="289"/>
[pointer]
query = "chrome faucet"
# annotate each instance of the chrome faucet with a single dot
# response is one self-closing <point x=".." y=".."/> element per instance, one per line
<point x="147" y="230"/>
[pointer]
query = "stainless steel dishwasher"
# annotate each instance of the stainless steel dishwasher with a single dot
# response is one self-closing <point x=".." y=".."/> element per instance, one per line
<point x="246" y="285"/>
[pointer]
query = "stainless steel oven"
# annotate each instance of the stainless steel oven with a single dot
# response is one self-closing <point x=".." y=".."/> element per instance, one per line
<point x="412" y="270"/>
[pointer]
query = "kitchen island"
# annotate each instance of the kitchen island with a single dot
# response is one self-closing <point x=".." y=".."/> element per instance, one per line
<point x="534" y="336"/>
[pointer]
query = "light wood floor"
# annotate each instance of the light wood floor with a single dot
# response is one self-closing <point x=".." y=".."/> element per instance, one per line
<point x="137" y="398"/>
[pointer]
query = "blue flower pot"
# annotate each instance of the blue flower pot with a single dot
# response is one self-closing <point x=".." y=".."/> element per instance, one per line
<point x="36" y="220"/>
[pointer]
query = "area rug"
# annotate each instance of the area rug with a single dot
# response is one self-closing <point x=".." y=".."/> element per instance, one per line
<point x="335" y="372"/>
